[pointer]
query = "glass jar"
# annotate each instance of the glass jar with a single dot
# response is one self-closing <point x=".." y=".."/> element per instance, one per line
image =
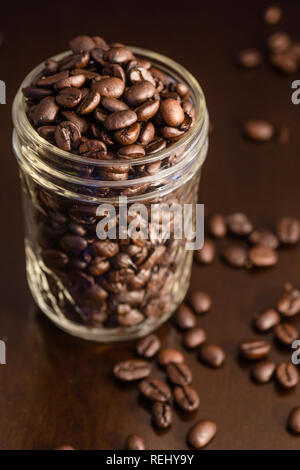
<point x="106" y="290"/>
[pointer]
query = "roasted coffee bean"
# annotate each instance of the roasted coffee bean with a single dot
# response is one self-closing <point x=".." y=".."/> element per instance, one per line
<point x="67" y="136"/>
<point x="131" y="151"/>
<point x="239" y="224"/>
<point x="75" y="61"/>
<point x="201" y="434"/>
<point x="262" y="257"/>
<point x="286" y="333"/>
<point x="206" y="254"/>
<point x="147" y="110"/>
<point x="155" y="145"/>
<point x="113" y="105"/>
<point x="235" y="255"/>
<point x="272" y="14"/>
<point x="128" y="135"/>
<point x="258" y="130"/>
<point x="89" y="103"/>
<point x="149" y="346"/>
<point x="147" y="133"/>
<point x="285" y="62"/>
<point x="179" y="374"/>
<point x="167" y="355"/>
<point x="45" y="112"/>
<point x="255" y="349"/>
<point x="93" y="149"/>
<point x="162" y="415"/>
<point x="120" y="119"/>
<point x="80" y="281"/>
<point x="187" y="398"/>
<point x="155" y="390"/>
<point x="249" y="58"/>
<point x="135" y="442"/>
<point x="200" y="302"/>
<point x="288" y="230"/>
<point x="75" y="81"/>
<point x="73" y="244"/>
<point x="132" y="318"/>
<point x="137" y="73"/>
<point x="98" y="267"/>
<point x="55" y="259"/>
<point x="49" y="81"/>
<point x="172" y="112"/>
<point x="112" y="87"/>
<point x="289" y="303"/>
<point x="35" y="93"/>
<point x="133" y="369"/>
<point x="264" y="237"/>
<point x="211" y="355"/>
<point x="279" y="42"/>
<point x="47" y="132"/>
<point x="184" y="318"/>
<point x="263" y="371"/>
<point x="81" y="43"/>
<point x="139" y="93"/>
<point x="105" y="248"/>
<point x="194" y="337"/>
<point x="171" y="133"/>
<point x="79" y="121"/>
<point x="114" y="70"/>
<point x="69" y="97"/>
<point x="118" y="55"/>
<point x="287" y="375"/>
<point x="293" y="422"/>
<point x="267" y="320"/>
<point x="51" y="67"/>
<point x="217" y="226"/>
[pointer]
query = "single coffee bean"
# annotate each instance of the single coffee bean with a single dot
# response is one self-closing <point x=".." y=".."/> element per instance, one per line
<point x="49" y="81"/>
<point x="112" y="104"/>
<point x="147" y="110"/>
<point x="279" y="42"/>
<point x="118" y="55"/>
<point x="284" y="135"/>
<point x="258" y="130"/>
<point x="194" y="337"/>
<point x="147" y="133"/>
<point x="272" y="14"/>
<point x="162" y="415"/>
<point x="51" y="67"/>
<point x="35" y="93"/>
<point x="267" y="320"/>
<point x="262" y="257"/>
<point x="200" y="302"/>
<point x="187" y="398"/>
<point x="67" y="136"/>
<point x="120" y="119"/>
<point x="167" y="355"/>
<point x="263" y="371"/>
<point x="81" y="43"/>
<point x="179" y="374"/>
<point x="239" y="224"/>
<point x="149" y="346"/>
<point x="289" y="303"/>
<point x="105" y="248"/>
<point x="131" y="151"/>
<point x="79" y="121"/>
<point x="249" y="58"/>
<point x="293" y="422"/>
<point x="135" y="442"/>
<point x="201" y="434"/>
<point x="255" y="349"/>
<point x="75" y="81"/>
<point x="89" y="103"/>
<point x="130" y="370"/>
<point x="132" y="318"/>
<point x="128" y="135"/>
<point x="286" y="333"/>
<point x="217" y="226"/>
<point x="47" y="132"/>
<point x="206" y="254"/>
<point x="285" y="62"/>
<point x="112" y="87"/>
<point x="211" y="355"/>
<point x="69" y="97"/>
<point x="139" y="93"/>
<point x="156" y="145"/>
<point x="287" y="375"/>
<point x="235" y="255"/>
<point x="184" y="318"/>
<point x="264" y="237"/>
<point x="171" y="112"/>
<point x="155" y="390"/>
<point x="288" y="230"/>
<point x="45" y="112"/>
<point x="93" y="149"/>
<point x="55" y="259"/>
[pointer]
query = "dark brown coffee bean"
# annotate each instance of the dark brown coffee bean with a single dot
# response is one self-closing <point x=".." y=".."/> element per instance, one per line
<point x="98" y="267"/>
<point x="135" y="442"/>
<point x="134" y="369"/>
<point x="75" y="61"/>
<point x="272" y="14"/>
<point x="187" y="398"/>
<point x="179" y="374"/>
<point x="156" y="145"/>
<point x="112" y="87"/>
<point x="172" y="112"/>
<point x="255" y="349"/>
<point x="235" y="255"/>
<point x="49" y="81"/>
<point x="262" y="257"/>
<point x="264" y="237"/>
<point x="139" y="93"/>
<point x="258" y="130"/>
<point x="200" y="302"/>
<point x="162" y="415"/>
<point x="128" y="135"/>
<point x="93" y="149"/>
<point x="288" y="230"/>
<point x="131" y="151"/>
<point x="286" y="333"/>
<point x="167" y="355"/>
<point x="137" y="73"/>
<point x="55" y="259"/>
<point x="239" y="224"/>
<point x="171" y="133"/>
<point x="147" y="110"/>
<point x="249" y="58"/>
<point x="114" y="70"/>
<point x="51" y="67"/>
<point x="105" y="248"/>
<point x="147" y="133"/>
<point x="279" y="42"/>
<point x="120" y="119"/>
<point x="293" y="422"/>
<point x="287" y="375"/>
<point x="74" y="81"/>
<point x="67" y="136"/>
<point x="206" y="254"/>
<point x="149" y="346"/>
<point x="35" y="93"/>
<point x="69" y="97"/>
<point x="89" y="75"/>
<point x="79" y="121"/>
<point x="267" y="320"/>
<point x="289" y="303"/>
<point x="201" y="434"/>
<point x="263" y="371"/>
<point x="285" y="62"/>
<point x="155" y="390"/>
<point x="184" y="318"/>
<point x="112" y="104"/>
<point x="89" y="103"/>
<point x="45" y="112"/>
<point x="47" y="132"/>
<point x="194" y="337"/>
<point x="118" y="55"/>
<point x="217" y="225"/>
<point x="73" y="244"/>
<point x="211" y="355"/>
<point x="81" y="43"/>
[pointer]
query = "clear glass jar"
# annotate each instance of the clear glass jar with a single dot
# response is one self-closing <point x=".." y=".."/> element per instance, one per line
<point x="85" y="289"/>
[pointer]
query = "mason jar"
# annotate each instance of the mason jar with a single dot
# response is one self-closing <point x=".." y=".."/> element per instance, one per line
<point x="94" y="287"/>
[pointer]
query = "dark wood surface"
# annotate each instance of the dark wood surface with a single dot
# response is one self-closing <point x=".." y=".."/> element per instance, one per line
<point x="56" y="389"/>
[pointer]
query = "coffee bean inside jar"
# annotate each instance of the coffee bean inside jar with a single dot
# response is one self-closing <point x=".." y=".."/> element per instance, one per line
<point x="108" y="122"/>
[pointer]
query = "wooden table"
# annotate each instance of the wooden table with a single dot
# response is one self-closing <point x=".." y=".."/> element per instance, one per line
<point x="56" y="389"/>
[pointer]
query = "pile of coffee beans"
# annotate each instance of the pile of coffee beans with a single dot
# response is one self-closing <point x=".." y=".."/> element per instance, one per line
<point x="177" y="391"/>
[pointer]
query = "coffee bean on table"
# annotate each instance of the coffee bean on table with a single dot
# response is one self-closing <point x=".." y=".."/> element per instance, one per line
<point x="206" y="254"/>
<point x="187" y="398"/>
<point x="264" y="237"/>
<point x="162" y="415"/>
<point x="217" y="225"/>
<point x="287" y="375"/>
<point x="235" y="255"/>
<point x="167" y="355"/>
<point x="179" y="374"/>
<point x="279" y="42"/>
<point x="258" y="130"/>
<point x="293" y="422"/>
<point x="135" y="442"/>
<point x="262" y="257"/>
<point x="155" y="390"/>
<point x="286" y="333"/>
<point x="194" y="337"/>
<point x="255" y="349"/>
<point x="211" y="355"/>
<point x="263" y="371"/>
<point x="272" y="14"/>
<point x="267" y="320"/>
<point x="149" y="346"/>
<point x="285" y="62"/>
<point x="201" y="434"/>
<point x="200" y="302"/>
<point x="239" y="224"/>
<point x="289" y="303"/>
<point x="184" y="318"/>
<point x="249" y="58"/>
<point x="133" y="369"/>
<point x="288" y="230"/>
